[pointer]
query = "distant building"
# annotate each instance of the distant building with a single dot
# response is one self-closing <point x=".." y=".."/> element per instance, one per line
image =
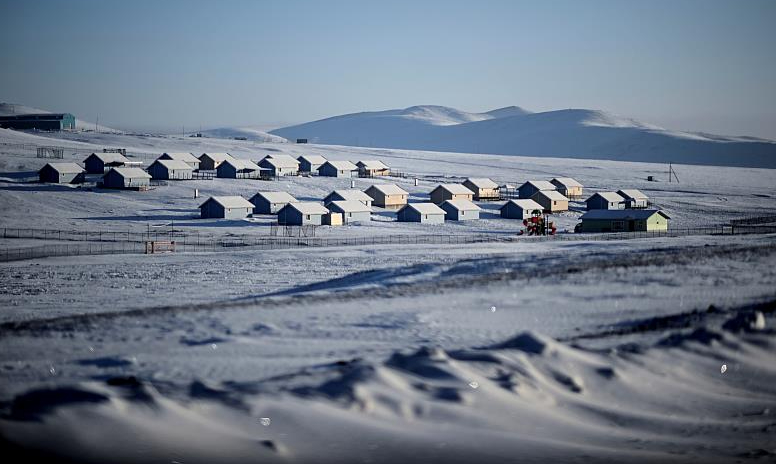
<point x="239" y="169"/>
<point x="351" y="210"/>
<point x="337" y="169"/>
<point x="372" y="168"/>
<point x="624" y="220"/>
<point x="387" y="195"/>
<point x="428" y="213"/>
<point x="301" y="140"/>
<point x="567" y="186"/>
<point x="310" y="163"/>
<point x="210" y="161"/>
<point x="552" y="201"/>
<point x="170" y="169"/>
<point x="126" y="178"/>
<point x="302" y="213"/>
<point x="348" y="195"/>
<point x="187" y="158"/>
<point x="460" y="210"/>
<point x="44" y="121"/>
<point x="279" y="166"/>
<point x="444" y="192"/>
<point x="270" y="202"/>
<point x="97" y="163"/>
<point x="528" y="189"/>
<point x="62" y="173"/>
<point x="605" y="200"/>
<point x="519" y="209"/>
<point x="483" y="188"/>
<point x="634" y="198"/>
<point x="226" y="207"/>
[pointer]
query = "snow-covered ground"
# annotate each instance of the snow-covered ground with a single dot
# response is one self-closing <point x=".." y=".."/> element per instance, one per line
<point x="491" y="352"/>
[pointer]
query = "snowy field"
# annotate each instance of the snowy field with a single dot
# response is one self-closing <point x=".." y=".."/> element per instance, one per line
<point x="645" y="350"/>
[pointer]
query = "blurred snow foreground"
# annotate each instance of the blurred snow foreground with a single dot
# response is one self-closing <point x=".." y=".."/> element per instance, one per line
<point x="530" y="398"/>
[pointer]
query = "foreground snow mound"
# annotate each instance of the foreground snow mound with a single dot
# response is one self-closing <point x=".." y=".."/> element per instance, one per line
<point x="707" y="396"/>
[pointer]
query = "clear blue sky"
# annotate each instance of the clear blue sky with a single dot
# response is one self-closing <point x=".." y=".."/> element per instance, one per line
<point x="693" y="65"/>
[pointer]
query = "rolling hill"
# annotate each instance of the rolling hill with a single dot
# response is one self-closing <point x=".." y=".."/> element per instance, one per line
<point x="571" y="133"/>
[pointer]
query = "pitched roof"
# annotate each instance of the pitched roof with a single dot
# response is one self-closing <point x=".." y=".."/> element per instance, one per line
<point x="312" y="159"/>
<point x="622" y="214"/>
<point x="632" y="194"/>
<point x="348" y="206"/>
<point x="131" y="173"/>
<point x="524" y="204"/>
<point x="182" y="156"/>
<point x="282" y="157"/>
<point x="308" y="207"/>
<point x="351" y="194"/>
<point x="462" y="205"/>
<point x="243" y="164"/>
<point x="342" y="165"/>
<point x="276" y="197"/>
<point x="540" y="184"/>
<point x="455" y="189"/>
<point x="173" y="164"/>
<point x="553" y="195"/>
<point x="68" y="168"/>
<point x="372" y="164"/>
<point x="566" y="182"/>
<point x="608" y="196"/>
<point x="230" y="202"/>
<point x="389" y="189"/>
<point x="425" y="208"/>
<point x="482" y="182"/>
<point x="219" y="157"/>
<point x="110" y="157"/>
<point x="280" y="162"/>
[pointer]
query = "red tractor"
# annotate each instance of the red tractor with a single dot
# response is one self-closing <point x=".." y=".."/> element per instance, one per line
<point x="538" y="224"/>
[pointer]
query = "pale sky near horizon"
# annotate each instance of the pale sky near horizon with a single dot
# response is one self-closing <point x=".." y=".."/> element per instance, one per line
<point x="698" y="65"/>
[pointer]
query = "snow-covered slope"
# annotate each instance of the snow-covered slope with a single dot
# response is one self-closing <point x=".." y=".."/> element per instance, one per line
<point x="249" y="133"/>
<point x="571" y="133"/>
<point x="8" y="109"/>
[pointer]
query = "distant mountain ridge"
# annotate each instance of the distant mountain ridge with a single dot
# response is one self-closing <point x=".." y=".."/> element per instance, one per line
<point x="569" y="133"/>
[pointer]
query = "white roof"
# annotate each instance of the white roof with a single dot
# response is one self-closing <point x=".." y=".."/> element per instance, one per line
<point x="482" y="182"/>
<point x="243" y="164"/>
<point x="217" y="156"/>
<point x="341" y="165"/>
<point x="389" y="189"/>
<point x="66" y="167"/>
<point x="281" y="157"/>
<point x="462" y="205"/>
<point x="553" y="195"/>
<point x="541" y="184"/>
<point x="348" y="206"/>
<point x="182" y="156"/>
<point x="609" y="196"/>
<point x="276" y="197"/>
<point x="110" y="157"/>
<point x="632" y="194"/>
<point x="231" y="202"/>
<point x="372" y="164"/>
<point x="351" y="194"/>
<point x="173" y="163"/>
<point x="308" y="207"/>
<point x="455" y="189"/>
<point x="312" y="159"/>
<point x="425" y="208"/>
<point x="281" y="162"/>
<point x="566" y="182"/>
<point x="132" y="173"/>
<point x="524" y="204"/>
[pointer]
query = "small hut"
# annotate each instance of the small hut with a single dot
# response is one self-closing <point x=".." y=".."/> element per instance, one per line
<point x="348" y="195"/>
<point x="372" y="168"/>
<point x="460" y="210"/>
<point x="567" y="186"/>
<point x="226" y="207"/>
<point x="170" y="169"/>
<point x="62" y="173"/>
<point x="126" y="178"/>
<point x="310" y="163"/>
<point x="186" y="157"/>
<point x="387" y="195"/>
<point x="270" y="202"/>
<point x="519" y="209"/>
<point x="351" y="210"/>
<point x="427" y="213"/>
<point x="210" y="161"/>
<point x="483" y="188"/>
<point x="337" y="169"/>
<point x="444" y="192"/>
<point x="552" y="201"/>
<point x="97" y="163"/>
<point x="302" y="213"/>
<point x="605" y="200"/>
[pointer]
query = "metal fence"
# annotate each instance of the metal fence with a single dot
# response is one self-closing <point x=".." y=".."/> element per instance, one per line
<point x="127" y="242"/>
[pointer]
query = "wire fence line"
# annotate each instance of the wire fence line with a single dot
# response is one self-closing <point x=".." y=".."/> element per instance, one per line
<point x="193" y="244"/>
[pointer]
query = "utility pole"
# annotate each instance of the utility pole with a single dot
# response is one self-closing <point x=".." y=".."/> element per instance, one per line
<point x="97" y="124"/>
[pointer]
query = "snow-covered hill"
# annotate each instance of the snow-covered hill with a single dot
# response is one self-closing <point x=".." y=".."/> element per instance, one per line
<point x="8" y="109"/>
<point x="571" y="133"/>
